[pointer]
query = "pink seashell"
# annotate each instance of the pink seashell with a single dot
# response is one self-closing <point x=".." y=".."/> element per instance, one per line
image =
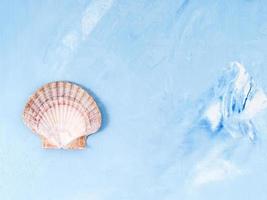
<point x="62" y="114"/>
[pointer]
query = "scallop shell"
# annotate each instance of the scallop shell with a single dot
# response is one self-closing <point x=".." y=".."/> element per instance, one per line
<point x="62" y="114"/>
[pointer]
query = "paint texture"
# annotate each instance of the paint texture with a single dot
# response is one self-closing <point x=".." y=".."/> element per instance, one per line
<point x="180" y="84"/>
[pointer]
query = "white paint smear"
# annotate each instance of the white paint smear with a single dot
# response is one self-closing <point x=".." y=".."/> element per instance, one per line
<point x="214" y="168"/>
<point x="214" y="171"/>
<point x="70" y="40"/>
<point x="93" y="14"/>
<point x="63" y="53"/>
<point x="236" y="101"/>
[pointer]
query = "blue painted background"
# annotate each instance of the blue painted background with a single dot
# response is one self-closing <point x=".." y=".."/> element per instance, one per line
<point x="148" y="64"/>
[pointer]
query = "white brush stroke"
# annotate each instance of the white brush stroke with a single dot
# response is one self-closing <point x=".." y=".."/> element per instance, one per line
<point x="256" y="105"/>
<point x="65" y="50"/>
<point x="70" y="40"/>
<point x="93" y="14"/>
<point x="214" y="168"/>
<point x="213" y="115"/>
<point x="236" y="89"/>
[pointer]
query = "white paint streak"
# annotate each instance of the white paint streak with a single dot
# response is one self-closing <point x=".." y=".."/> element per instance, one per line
<point x="242" y="76"/>
<point x="214" y="168"/>
<point x="235" y="103"/>
<point x="70" y="40"/>
<point x="255" y="105"/>
<point x="213" y="115"/>
<point x="93" y="14"/>
<point x="63" y="53"/>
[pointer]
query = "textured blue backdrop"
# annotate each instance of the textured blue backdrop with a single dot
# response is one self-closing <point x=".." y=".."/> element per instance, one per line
<point x="148" y="64"/>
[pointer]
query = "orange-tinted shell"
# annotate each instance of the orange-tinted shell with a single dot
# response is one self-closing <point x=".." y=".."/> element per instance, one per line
<point x="62" y="114"/>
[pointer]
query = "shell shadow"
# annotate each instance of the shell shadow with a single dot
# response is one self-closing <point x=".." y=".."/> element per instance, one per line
<point x="102" y="108"/>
